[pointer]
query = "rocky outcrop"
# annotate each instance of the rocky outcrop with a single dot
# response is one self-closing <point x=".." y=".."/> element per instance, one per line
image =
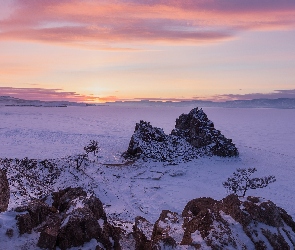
<point x="194" y="135"/>
<point x="4" y="191"/>
<point x="199" y="131"/>
<point x="71" y="217"/>
<point x="232" y="223"/>
<point x="151" y="143"/>
<point x="66" y="219"/>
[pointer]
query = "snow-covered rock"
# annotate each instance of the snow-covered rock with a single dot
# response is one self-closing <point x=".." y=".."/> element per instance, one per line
<point x="151" y="143"/>
<point x="194" y="135"/>
<point x="232" y="223"/>
<point x="72" y="219"/>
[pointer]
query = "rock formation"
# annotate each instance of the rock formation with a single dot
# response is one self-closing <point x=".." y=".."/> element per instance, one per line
<point x="70" y="220"/>
<point x="194" y="135"/>
<point x="252" y="223"/>
<point x="199" y="131"/>
<point x="4" y="191"/>
<point x="151" y="143"/>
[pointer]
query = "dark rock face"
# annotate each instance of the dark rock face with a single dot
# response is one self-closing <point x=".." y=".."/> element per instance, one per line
<point x="37" y="212"/>
<point x="142" y="231"/>
<point x="194" y="135"/>
<point x="62" y="198"/>
<point x="199" y="131"/>
<point x="4" y="191"/>
<point x="231" y="223"/>
<point x="73" y="219"/>
<point x="49" y="232"/>
<point x="80" y="226"/>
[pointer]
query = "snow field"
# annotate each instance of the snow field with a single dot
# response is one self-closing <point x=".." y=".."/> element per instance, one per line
<point x="265" y="139"/>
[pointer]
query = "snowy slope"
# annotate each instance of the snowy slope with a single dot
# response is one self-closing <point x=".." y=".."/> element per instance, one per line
<point x="265" y="139"/>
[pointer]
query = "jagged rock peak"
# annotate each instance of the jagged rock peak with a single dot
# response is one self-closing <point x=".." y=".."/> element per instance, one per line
<point x="199" y="131"/>
<point x="194" y="136"/>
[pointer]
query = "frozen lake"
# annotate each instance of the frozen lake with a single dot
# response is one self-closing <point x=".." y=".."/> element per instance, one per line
<point x="40" y="132"/>
<point x="265" y="139"/>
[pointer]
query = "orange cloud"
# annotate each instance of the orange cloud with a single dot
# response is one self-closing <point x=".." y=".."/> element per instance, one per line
<point x="106" y="22"/>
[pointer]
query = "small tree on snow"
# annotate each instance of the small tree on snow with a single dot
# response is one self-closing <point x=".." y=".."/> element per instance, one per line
<point x="92" y="147"/>
<point x="240" y="181"/>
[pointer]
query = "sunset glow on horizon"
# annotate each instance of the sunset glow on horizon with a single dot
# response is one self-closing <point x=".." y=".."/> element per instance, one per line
<point x="99" y="51"/>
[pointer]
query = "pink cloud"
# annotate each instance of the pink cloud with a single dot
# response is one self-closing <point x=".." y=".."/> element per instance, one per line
<point x="289" y="93"/>
<point x="47" y="94"/>
<point x="108" y="22"/>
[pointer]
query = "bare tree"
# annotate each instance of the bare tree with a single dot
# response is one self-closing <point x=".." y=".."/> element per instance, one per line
<point x="240" y="181"/>
<point x="92" y="147"/>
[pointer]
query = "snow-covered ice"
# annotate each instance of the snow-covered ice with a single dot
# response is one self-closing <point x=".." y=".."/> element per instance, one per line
<point x="265" y="139"/>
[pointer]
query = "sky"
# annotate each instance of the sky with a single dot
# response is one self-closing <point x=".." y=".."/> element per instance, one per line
<point x="98" y="51"/>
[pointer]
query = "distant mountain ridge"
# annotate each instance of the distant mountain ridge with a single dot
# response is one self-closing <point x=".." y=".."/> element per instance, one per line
<point x="279" y="103"/>
<point x="12" y="101"/>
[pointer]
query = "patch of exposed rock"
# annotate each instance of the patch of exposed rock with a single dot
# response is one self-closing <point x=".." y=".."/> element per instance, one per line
<point x="66" y="219"/>
<point x="4" y="191"/>
<point x="194" y="135"/>
<point x="232" y="223"/>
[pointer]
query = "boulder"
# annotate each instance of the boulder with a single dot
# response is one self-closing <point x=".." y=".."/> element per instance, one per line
<point x="4" y="191"/>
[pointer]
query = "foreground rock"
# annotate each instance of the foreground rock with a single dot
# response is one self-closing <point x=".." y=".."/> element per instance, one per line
<point x="4" y="191"/>
<point x="194" y="135"/>
<point x="68" y="219"/>
<point x="231" y="223"/>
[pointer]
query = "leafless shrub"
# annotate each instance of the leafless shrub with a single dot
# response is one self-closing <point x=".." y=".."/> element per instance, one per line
<point x="240" y="181"/>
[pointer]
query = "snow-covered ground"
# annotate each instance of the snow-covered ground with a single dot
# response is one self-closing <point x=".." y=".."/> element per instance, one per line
<point x="265" y="139"/>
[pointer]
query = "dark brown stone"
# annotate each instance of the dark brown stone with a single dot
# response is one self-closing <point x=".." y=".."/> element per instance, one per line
<point x="142" y="232"/>
<point x="49" y="232"/>
<point x="62" y="198"/>
<point x="96" y="207"/>
<point x="113" y="233"/>
<point x="79" y="227"/>
<point x="38" y="211"/>
<point x="9" y="232"/>
<point x="197" y="216"/>
<point x="24" y="223"/>
<point x="4" y="191"/>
